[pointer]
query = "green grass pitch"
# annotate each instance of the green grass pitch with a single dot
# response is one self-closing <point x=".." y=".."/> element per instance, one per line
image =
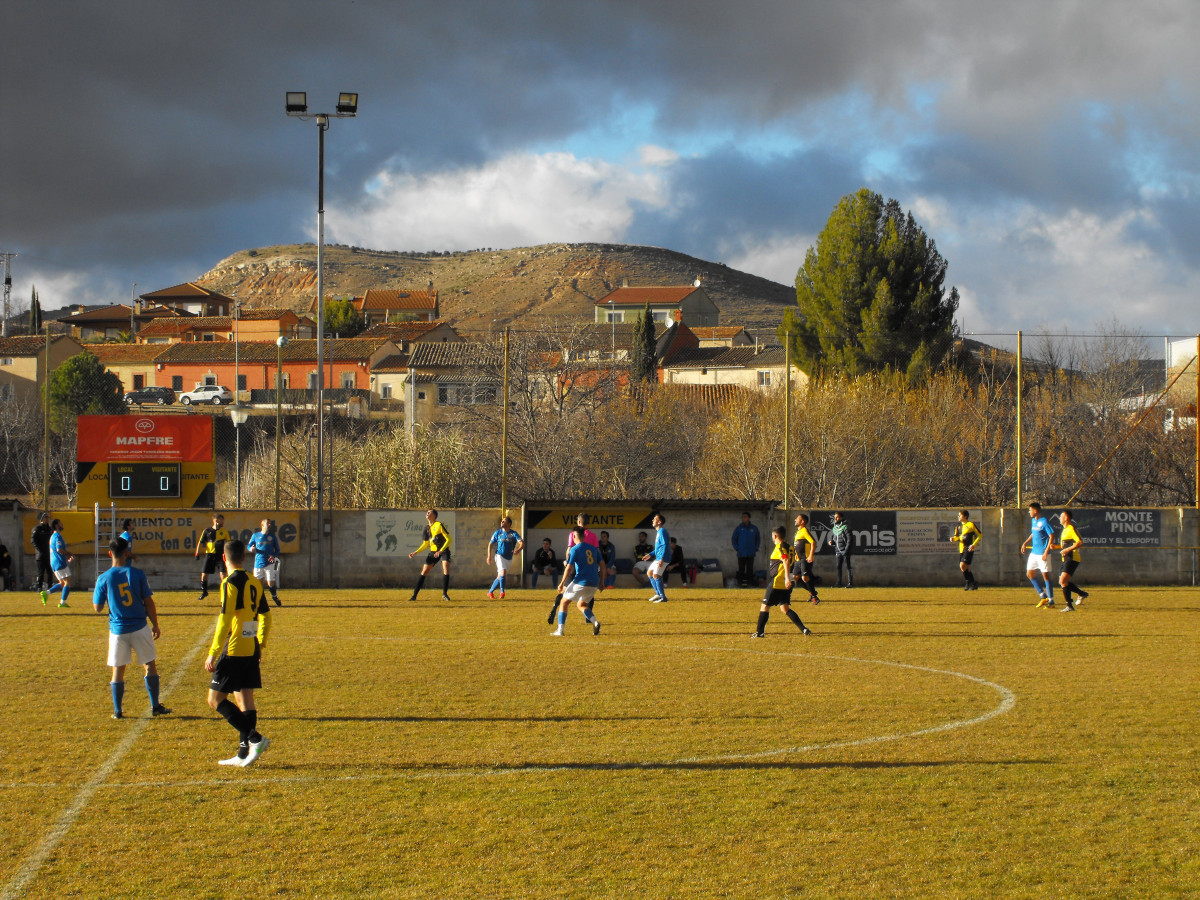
<point x="921" y="743"/>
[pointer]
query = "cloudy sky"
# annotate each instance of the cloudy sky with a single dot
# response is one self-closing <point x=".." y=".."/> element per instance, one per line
<point x="1051" y="148"/>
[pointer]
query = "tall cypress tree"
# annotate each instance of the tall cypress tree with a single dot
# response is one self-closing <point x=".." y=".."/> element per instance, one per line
<point x="642" y="362"/>
<point x="35" y="313"/>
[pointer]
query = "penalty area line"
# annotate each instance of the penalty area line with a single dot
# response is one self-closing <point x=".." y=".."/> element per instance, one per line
<point x="34" y="861"/>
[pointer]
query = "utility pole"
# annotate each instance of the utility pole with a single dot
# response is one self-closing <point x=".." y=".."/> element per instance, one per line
<point x="7" y="291"/>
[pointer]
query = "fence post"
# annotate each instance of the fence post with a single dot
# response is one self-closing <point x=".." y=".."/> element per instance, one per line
<point x="1020" y="389"/>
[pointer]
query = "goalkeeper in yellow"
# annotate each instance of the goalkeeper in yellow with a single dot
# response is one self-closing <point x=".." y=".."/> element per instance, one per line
<point x="235" y="656"/>
<point x="968" y="537"/>
<point x="1070" y="542"/>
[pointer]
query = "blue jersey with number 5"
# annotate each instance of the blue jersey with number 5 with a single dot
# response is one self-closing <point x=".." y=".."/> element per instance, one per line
<point x="125" y="589"/>
<point x="586" y="560"/>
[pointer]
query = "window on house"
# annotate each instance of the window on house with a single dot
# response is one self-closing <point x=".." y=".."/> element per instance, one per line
<point x="139" y="382"/>
<point x="661" y="316"/>
<point x="287" y="381"/>
<point x="420" y="395"/>
<point x="385" y="391"/>
<point x="6" y="361"/>
<point x="348" y="381"/>
<point x="764" y="379"/>
<point x="241" y="382"/>
<point x="617" y="317"/>
<point x="177" y="382"/>
<point x="210" y="379"/>
<point x="207" y="337"/>
<point x="312" y="381"/>
<point x="466" y="394"/>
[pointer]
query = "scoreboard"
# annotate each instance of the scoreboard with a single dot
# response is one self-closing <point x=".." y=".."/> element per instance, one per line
<point x="143" y="481"/>
<point x="145" y="461"/>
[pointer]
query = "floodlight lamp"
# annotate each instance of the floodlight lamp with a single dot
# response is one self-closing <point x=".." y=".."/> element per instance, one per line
<point x="347" y="104"/>
<point x="281" y="341"/>
<point x="239" y="414"/>
<point x="297" y="103"/>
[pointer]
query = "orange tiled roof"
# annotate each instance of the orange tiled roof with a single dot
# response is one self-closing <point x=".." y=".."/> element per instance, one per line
<point x="116" y="354"/>
<point x="394" y="299"/>
<point x="22" y="345"/>
<point x="640" y="296"/>
<point x="402" y="331"/>
<point x="716" y="332"/>
<point x="187" y="290"/>
<point x="343" y="349"/>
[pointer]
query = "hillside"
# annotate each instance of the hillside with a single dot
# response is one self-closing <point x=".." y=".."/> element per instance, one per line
<point x="515" y="287"/>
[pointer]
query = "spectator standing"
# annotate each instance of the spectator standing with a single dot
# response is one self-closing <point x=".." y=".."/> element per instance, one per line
<point x="746" y="541"/>
<point x="5" y="568"/>
<point x="676" y="564"/>
<point x="843" y="544"/>
<point x="608" y="553"/>
<point x="40" y="538"/>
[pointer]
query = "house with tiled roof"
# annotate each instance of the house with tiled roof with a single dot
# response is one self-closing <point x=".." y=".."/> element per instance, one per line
<point x="433" y="380"/>
<point x="249" y="325"/>
<point x="687" y="303"/>
<point x="252" y="365"/>
<point x="722" y="336"/>
<point x="406" y="333"/>
<point x="747" y="367"/>
<point x="134" y="364"/>
<point x="393" y="305"/>
<point x="192" y="298"/>
<point x="113" y="322"/>
<point x="23" y="362"/>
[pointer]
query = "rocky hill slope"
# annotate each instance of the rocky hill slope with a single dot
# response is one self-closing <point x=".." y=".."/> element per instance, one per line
<point x="482" y="289"/>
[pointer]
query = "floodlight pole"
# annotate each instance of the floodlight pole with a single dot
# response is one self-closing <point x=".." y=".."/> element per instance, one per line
<point x="297" y="106"/>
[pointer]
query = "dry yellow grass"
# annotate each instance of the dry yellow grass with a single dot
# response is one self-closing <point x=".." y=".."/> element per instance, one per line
<point x="436" y="750"/>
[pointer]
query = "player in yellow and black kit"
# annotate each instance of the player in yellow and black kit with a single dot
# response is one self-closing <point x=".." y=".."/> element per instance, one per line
<point x="779" y="587"/>
<point x="802" y="568"/>
<point x="436" y="540"/>
<point x="241" y="635"/>
<point x="1071" y="557"/>
<point x="968" y="536"/>
<point x="212" y="543"/>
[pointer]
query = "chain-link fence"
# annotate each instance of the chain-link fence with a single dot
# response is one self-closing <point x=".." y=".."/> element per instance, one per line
<point x="1096" y="419"/>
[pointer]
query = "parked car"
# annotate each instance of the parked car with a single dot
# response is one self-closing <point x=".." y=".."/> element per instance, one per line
<point x="160" y="395"/>
<point x="215" y="394"/>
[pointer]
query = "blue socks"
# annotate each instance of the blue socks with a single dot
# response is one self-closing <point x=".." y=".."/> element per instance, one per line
<point x="1038" y="586"/>
<point x="118" y="694"/>
<point x="562" y="618"/>
<point x="57" y="587"/>
<point x="659" y="587"/>
<point x="588" y="617"/>
<point x="152" y="689"/>
<point x="497" y="585"/>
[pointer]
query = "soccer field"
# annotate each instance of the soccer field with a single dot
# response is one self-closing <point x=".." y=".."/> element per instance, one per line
<point x="919" y="743"/>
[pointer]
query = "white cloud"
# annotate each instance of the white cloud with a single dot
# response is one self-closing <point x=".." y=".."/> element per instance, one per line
<point x="516" y="200"/>
<point x="778" y="258"/>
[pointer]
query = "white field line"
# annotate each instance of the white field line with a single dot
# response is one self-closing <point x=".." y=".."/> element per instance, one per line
<point x="34" y="861"/>
<point x="1007" y="700"/>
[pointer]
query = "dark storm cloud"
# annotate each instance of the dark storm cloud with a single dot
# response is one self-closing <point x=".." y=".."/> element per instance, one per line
<point x="145" y="128"/>
<point x="730" y="196"/>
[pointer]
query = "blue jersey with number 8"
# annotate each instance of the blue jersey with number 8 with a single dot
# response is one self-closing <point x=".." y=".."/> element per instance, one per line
<point x="586" y="560"/>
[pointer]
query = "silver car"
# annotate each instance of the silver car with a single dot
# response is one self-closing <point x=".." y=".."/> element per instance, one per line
<point x="207" y="393"/>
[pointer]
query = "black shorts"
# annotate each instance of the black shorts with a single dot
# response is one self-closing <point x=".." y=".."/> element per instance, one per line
<point x="431" y="559"/>
<point x="212" y="563"/>
<point x="802" y="568"/>
<point x="966" y="556"/>
<point x="1070" y="566"/>
<point x="778" y="596"/>
<point x="236" y="673"/>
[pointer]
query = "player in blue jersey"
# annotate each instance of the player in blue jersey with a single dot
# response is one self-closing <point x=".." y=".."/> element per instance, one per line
<point x="132" y="625"/>
<point x="265" y="545"/>
<point x="60" y="563"/>
<point x="660" y="558"/>
<point x="1039" y="542"/>
<point x="127" y="536"/>
<point x="503" y="546"/>
<point x="584" y="572"/>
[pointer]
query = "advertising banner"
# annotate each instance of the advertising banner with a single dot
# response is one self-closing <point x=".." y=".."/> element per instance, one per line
<point x="1113" y="527"/>
<point x="397" y="533"/>
<point x="873" y="532"/>
<point x="160" y="531"/>
<point x="599" y="518"/>
<point x="145" y="439"/>
<point x="930" y="530"/>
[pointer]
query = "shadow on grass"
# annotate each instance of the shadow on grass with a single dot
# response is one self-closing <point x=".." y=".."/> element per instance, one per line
<point x="717" y="765"/>
<point x="528" y="720"/>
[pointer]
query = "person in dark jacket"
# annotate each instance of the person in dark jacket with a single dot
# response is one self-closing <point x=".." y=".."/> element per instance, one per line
<point x="40" y="538"/>
<point x="842" y="542"/>
<point x="746" y="541"/>
<point x="5" y="569"/>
